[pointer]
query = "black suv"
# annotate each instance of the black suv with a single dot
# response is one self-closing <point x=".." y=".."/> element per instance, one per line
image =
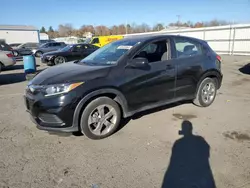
<point x="120" y="79"/>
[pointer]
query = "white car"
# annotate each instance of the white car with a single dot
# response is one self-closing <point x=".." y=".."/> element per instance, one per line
<point x="6" y="56"/>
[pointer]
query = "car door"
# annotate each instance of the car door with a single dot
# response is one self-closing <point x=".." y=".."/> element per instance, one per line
<point x="86" y="50"/>
<point x="76" y="53"/>
<point x="155" y="83"/>
<point x="49" y="47"/>
<point x="188" y="58"/>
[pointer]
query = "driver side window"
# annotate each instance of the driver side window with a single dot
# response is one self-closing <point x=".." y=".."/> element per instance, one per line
<point x="154" y="52"/>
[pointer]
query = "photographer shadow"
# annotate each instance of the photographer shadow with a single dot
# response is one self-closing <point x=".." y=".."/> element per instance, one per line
<point x="189" y="164"/>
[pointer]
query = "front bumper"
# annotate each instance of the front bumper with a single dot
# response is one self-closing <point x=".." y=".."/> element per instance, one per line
<point x="53" y="113"/>
<point x="47" y="61"/>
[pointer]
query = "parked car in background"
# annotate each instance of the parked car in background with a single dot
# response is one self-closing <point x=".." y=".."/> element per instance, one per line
<point x="25" y="49"/>
<point x="103" y="40"/>
<point x="14" y="45"/>
<point x="48" y="47"/>
<point x="68" y="53"/>
<point x="121" y="79"/>
<point x="6" y="56"/>
<point x="46" y="41"/>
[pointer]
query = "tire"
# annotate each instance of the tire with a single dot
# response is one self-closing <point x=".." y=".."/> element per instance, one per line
<point x="15" y="53"/>
<point x="38" y="54"/>
<point x="203" y="93"/>
<point x="59" y="60"/>
<point x="104" y="124"/>
<point x="1" y="67"/>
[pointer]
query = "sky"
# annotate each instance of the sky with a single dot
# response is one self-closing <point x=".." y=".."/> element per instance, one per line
<point x="110" y="12"/>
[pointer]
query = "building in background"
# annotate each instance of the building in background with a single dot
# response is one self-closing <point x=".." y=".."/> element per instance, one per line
<point x="19" y="34"/>
<point x="44" y="36"/>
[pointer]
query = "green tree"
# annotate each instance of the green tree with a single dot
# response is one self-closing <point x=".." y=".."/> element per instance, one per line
<point x="51" y="29"/>
<point x="43" y="30"/>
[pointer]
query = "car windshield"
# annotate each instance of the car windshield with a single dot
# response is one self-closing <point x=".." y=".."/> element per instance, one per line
<point x="110" y="53"/>
<point x="66" y="48"/>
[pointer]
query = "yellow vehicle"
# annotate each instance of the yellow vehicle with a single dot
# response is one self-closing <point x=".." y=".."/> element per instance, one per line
<point x="103" y="40"/>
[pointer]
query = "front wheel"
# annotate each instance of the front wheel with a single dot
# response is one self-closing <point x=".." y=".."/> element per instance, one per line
<point x="206" y="92"/>
<point x="100" y="118"/>
<point x="59" y="60"/>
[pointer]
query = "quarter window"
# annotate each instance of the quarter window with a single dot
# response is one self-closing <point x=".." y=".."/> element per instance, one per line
<point x="187" y="48"/>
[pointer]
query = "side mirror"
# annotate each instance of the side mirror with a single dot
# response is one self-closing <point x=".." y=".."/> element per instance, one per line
<point x="138" y="62"/>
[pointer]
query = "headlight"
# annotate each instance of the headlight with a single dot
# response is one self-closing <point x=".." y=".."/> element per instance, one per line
<point x="60" y="89"/>
<point x="49" y="57"/>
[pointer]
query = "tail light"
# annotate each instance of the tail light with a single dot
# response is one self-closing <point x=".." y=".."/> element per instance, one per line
<point x="218" y="58"/>
<point x="10" y="55"/>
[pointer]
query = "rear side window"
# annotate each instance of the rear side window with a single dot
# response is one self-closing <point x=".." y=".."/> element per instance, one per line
<point x="56" y="44"/>
<point x="33" y="45"/>
<point x="187" y="48"/>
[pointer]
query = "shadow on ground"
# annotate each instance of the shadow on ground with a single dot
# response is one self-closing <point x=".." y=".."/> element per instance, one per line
<point x="189" y="165"/>
<point x="245" y="69"/>
<point x="16" y="67"/>
<point x="15" y="77"/>
<point x="11" y="78"/>
<point x="125" y="121"/>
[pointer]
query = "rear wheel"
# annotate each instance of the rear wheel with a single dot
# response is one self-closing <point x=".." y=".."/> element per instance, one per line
<point x="59" y="60"/>
<point x="38" y="54"/>
<point x="206" y="92"/>
<point x="15" y="53"/>
<point x="100" y="118"/>
<point x="1" y="67"/>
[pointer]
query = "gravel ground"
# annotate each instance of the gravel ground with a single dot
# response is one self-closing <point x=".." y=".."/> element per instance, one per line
<point x="139" y="154"/>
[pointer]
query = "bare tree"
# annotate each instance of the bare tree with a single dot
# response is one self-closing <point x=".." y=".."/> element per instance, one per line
<point x="158" y="27"/>
<point x="65" y="30"/>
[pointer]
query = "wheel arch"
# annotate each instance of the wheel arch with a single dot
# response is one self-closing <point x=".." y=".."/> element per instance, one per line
<point x="115" y="94"/>
<point x="38" y="52"/>
<point x="210" y="74"/>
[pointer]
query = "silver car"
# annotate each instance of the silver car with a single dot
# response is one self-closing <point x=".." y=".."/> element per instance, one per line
<point x="48" y="47"/>
<point x="6" y="56"/>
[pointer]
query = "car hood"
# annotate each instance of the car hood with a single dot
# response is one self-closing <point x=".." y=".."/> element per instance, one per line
<point x="69" y="73"/>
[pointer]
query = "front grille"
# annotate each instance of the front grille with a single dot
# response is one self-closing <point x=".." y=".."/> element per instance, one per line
<point x="49" y="118"/>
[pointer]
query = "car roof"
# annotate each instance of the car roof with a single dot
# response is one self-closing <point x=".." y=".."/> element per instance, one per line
<point x="148" y="38"/>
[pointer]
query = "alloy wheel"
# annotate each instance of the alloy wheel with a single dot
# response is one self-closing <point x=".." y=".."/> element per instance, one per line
<point x="102" y="120"/>
<point x="208" y="92"/>
<point x="59" y="60"/>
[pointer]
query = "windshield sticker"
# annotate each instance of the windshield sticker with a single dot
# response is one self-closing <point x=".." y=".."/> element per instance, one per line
<point x="124" y="47"/>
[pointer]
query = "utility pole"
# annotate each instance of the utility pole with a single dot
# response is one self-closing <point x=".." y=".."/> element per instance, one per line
<point x="178" y="22"/>
<point x="126" y="27"/>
